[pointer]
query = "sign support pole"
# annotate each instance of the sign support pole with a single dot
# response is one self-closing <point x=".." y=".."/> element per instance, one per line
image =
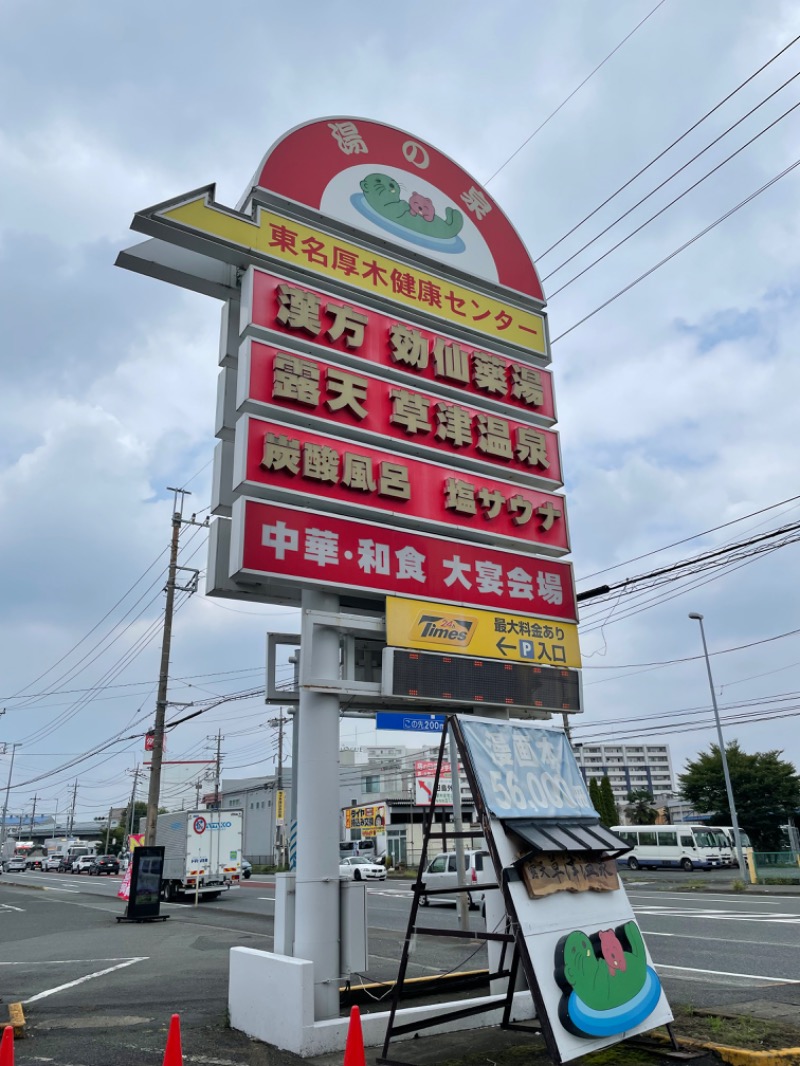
<point x="317" y="781"/>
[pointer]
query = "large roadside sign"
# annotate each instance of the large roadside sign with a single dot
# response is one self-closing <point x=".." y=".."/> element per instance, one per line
<point x="386" y="413"/>
<point x="412" y="623"/>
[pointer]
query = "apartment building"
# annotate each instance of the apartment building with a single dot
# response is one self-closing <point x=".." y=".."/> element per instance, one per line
<point x="628" y="767"/>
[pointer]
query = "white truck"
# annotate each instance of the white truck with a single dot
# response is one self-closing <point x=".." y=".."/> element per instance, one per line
<point x="68" y="848"/>
<point x="202" y="852"/>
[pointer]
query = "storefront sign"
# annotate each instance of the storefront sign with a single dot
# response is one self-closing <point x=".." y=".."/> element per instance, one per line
<point x="420" y="624"/>
<point x="369" y="818"/>
<point x="311" y="248"/>
<point x="278" y="461"/>
<point x="546" y="874"/>
<point x="299" y="388"/>
<point x="290" y="545"/>
<point x="382" y="180"/>
<point x="384" y="341"/>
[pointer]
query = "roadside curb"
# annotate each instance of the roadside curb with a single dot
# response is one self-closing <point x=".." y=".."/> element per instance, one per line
<point x="735" y="1056"/>
<point x="22" y="884"/>
<point x="16" y="1019"/>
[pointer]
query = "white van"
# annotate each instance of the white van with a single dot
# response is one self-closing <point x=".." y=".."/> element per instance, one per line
<point x="441" y="872"/>
<point x="366" y="846"/>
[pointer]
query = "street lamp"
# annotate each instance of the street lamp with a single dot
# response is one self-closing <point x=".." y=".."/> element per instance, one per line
<point x="728" y="787"/>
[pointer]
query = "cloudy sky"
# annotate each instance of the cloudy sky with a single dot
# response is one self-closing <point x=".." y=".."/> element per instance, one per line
<point x="677" y="400"/>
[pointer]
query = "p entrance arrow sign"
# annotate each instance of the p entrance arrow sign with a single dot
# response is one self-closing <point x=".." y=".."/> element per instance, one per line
<point x="485" y="634"/>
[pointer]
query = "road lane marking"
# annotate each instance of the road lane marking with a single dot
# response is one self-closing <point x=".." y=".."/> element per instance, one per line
<point x="8" y="907"/>
<point x="719" y="915"/>
<point x="269" y="899"/>
<point x="711" y="899"/>
<point x="67" y="962"/>
<point x="724" y="973"/>
<point x="81" y="980"/>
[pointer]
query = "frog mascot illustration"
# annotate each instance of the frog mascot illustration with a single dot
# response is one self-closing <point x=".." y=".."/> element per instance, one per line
<point x="607" y="984"/>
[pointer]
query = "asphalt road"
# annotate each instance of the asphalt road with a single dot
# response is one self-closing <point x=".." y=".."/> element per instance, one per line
<point x="89" y="984"/>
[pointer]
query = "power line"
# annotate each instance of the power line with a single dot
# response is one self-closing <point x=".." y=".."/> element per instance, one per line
<point x="667" y="206"/>
<point x="677" y="251"/>
<point x="669" y="147"/>
<point x="574" y="91"/>
<point x="694" y="536"/>
<point x="668" y="179"/>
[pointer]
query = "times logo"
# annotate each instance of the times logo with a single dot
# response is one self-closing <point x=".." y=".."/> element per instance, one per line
<point x="445" y="629"/>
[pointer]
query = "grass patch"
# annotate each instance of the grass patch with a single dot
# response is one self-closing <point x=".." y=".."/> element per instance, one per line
<point x="745" y="1031"/>
<point x="692" y="886"/>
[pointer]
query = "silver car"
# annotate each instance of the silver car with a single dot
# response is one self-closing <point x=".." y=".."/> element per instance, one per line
<point x="441" y="872"/>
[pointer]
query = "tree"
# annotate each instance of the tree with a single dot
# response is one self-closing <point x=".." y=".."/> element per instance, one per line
<point x="595" y="797"/>
<point x="119" y="835"/>
<point x="766" y="791"/>
<point x="609" y="815"/>
<point x="640" y="807"/>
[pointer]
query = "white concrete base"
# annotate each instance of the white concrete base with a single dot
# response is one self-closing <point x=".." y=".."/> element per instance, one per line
<point x="271" y="998"/>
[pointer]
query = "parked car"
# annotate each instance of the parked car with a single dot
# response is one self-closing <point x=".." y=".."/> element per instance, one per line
<point x="52" y="862"/>
<point x="81" y="864"/>
<point x="65" y="863"/>
<point x="441" y="872"/>
<point x="104" y="864"/>
<point x="358" y="868"/>
<point x="247" y="869"/>
<point x="35" y="862"/>
<point x="15" y="865"/>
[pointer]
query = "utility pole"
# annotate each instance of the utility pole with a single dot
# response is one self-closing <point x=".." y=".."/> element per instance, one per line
<point x="157" y="758"/>
<point x="163" y="677"/>
<point x="108" y="828"/>
<point x="132" y="806"/>
<point x="279" y="722"/>
<point x="8" y="790"/>
<point x="71" y="821"/>
<point x="33" y="814"/>
<point x="217" y="767"/>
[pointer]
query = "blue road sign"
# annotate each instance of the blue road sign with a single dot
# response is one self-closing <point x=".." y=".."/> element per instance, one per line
<point x="414" y="723"/>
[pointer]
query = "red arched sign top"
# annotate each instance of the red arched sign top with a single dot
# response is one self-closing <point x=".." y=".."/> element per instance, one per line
<point x="393" y="185"/>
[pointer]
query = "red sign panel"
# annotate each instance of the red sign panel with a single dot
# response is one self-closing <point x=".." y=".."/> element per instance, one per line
<point x="311" y="315"/>
<point x="378" y="408"/>
<point x="356" y="477"/>
<point x="311" y="163"/>
<point x="297" y="546"/>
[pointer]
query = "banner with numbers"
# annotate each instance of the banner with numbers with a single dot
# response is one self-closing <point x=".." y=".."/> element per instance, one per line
<point x="526" y="772"/>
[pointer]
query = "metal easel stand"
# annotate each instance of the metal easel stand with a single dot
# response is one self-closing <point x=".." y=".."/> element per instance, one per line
<point x="507" y="968"/>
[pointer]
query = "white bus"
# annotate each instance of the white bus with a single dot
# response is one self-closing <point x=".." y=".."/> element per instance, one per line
<point x="690" y="847"/>
<point x="729" y="842"/>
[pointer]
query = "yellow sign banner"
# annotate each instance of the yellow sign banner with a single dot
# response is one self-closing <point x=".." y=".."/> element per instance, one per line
<point x="280" y="806"/>
<point x="371" y="820"/>
<point x="484" y="634"/>
<point x="292" y="242"/>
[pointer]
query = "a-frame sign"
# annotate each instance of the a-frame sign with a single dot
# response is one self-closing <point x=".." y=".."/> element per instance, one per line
<point x="567" y="921"/>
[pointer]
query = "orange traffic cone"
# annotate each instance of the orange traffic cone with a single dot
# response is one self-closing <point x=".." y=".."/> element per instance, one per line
<point x="7" y="1047"/>
<point x="173" y="1056"/>
<point x="354" y="1048"/>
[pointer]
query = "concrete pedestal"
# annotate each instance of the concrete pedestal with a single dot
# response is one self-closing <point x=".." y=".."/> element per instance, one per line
<point x="271" y="998"/>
